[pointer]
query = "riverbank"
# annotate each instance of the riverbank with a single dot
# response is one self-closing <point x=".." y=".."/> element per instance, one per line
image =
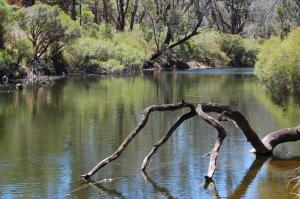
<point x="44" y="80"/>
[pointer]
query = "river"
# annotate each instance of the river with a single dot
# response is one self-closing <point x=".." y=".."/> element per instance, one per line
<point x="49" y="136"/>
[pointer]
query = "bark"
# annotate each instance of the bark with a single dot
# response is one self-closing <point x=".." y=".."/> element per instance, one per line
<point x="221" y="136"/>
<point x="166" y="137"/>
<point x="261" y="147"/>
<point x="105" y="11"/>
<point x="122" y="8"/>
<point x="96" y="12"/>
<point x="80" y="13"/>
<point x="73" y="10"/>
<point x="133" y="14"/>
<point x="27" y="3"/>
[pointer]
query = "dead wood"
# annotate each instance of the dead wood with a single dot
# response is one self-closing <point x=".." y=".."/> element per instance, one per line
<point x="260" y="147"/>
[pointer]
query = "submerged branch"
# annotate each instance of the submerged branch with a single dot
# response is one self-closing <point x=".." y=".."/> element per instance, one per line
<point x="261" y="147"/>
<point x="186" y="116"/>
<point x="221" y="136"/>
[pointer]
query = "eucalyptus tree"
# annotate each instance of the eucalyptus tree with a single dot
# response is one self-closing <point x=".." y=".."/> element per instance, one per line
<point x="4" y="17"/>
<point x="68" y="6"/>
<point x="173" y="22"/>
<point x="27" y="3"/>
<point x="48" y="29"/>
<point x="231" y="16"/>
<point x="288" y="15"/>
<point x="134" y="11"/>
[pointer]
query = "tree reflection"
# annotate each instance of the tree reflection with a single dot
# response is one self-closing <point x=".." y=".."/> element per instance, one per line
<point x="156" y="187"/>
<point x="100" y="188"/>
<point x="271" y="163"/>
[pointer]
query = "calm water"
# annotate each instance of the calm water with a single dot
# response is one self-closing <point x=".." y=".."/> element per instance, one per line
<point x="49" y="136"/>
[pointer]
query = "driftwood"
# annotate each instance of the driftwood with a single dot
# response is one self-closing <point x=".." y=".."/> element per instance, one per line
<point x="263" y="146"/>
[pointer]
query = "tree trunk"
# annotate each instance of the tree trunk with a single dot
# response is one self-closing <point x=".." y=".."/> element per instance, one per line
<point x="105" y="11"/>
<point x="95" y="12"/>
<point x="80" y="13"/>
<point x="27" y="3"/>
<point x="261" y="147"/>
<point x="133" y="14"/>
<point x="122" y="11"/>
<point x="73" y="10"/>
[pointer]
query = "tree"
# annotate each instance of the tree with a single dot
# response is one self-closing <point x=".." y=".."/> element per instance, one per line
<point x="122" y="8"/>
<point x="173" y="22"/>
<point x="231" y="16"/>
<point x="68" y="6"/>
<point x="263" y="146"/>
<point x="48" y="29"/>
<point x="27" y="3"/>
<point x="133" y="13"/>
<point x="4" y="18"/>
<point x="288" y="15"/>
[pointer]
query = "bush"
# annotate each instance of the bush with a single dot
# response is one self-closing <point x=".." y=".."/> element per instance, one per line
<point x="50" y="30"/>
<point x="123" y="50"/>
<point x="22" y="49"/>
<point x="203" y="48"/>
<point x="6" y="58"/>
<point x="278" y="66"/>
<point x="241" y="52"/>
<point x="4" y="16"/>
<point x="217" y="49"/>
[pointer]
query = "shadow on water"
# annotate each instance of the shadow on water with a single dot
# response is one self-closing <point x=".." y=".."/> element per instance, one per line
<point x="100" y="188"/>
<point x="271" y="163"/>
<point x="157" y="187"/>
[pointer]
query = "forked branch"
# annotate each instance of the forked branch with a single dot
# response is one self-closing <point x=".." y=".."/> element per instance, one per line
<point x="261" y="147"/>
<point x="221" y="136"/>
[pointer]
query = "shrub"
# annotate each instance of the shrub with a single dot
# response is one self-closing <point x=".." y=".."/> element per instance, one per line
<point x="278" y="66"/>
<point x="217" y="49"/>
<point x="124" y="49"/>
<point x="21" y="48"/>
<point x="242" y="52"/>
<point x="4" y="16"/>
<point x="6" y="59"/>
<point x="49" y="29"/>
<point x="87" y="54"/>
<point x="203" y="48"/>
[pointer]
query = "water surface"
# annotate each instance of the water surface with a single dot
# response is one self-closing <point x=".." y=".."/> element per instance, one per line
<point x="50" y="136"/>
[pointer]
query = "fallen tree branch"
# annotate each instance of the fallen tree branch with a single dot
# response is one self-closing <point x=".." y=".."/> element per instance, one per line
<point x="261" y="147"/>
<point x="221" y="136"/>
<point x="186" y="116"/>
<point x="145" y="116"/>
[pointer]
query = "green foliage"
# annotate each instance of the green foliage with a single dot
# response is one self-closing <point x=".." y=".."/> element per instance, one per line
<point x="242" y="53"/>
<point x="87" y="17"/>
<point x="6" y="58"/>
<point x="278" y="66"/>
<point x="49" y="30"/>
<point x="217" y="49"/>
<point x="22" y="49"/>
<point x="204" y="48"/>
<point x="4" y="5"/>
<point x="90" y="30"/>
<point x="4" y="20"/>
<point x="287" y="15"/>
<point x="123" y="50"/>
<point x="106" y="31"/>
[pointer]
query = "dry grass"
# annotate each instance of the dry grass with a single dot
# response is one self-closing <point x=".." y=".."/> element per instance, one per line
<point x="294" y="185"/>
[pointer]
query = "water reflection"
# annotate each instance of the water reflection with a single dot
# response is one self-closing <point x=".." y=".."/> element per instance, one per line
<point x="103" y="190"/>
<point x="155" y="186"/>
<point x="49" y="136"/>
<point x="242" y="188"/>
